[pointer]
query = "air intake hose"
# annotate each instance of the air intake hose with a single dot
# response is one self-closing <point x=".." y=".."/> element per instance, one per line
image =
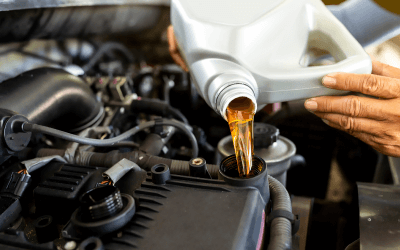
<point x="53" y="97"/>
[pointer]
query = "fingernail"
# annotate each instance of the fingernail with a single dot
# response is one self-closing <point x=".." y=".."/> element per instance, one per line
<point x="311" y="105"/>
<point x="329" y="80"/>
<point x="325" y="121"/>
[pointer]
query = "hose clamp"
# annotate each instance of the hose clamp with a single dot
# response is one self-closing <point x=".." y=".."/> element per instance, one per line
<point x="294" y="219"/>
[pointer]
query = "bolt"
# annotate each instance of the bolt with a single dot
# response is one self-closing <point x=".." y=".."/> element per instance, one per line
<point x="197" y="161"/>
<point x="70" y="245"/>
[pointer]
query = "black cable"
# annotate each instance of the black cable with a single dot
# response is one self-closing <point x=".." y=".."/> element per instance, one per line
<point x="175" y="112"/>
<point x="29" y="127"/>
<point x="128" y="144"/>
<point x="104" y="49"/>
<point x="158" y="107"/>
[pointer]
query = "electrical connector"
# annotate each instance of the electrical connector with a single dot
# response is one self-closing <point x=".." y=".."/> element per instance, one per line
<point x="16" y="184"/>
<point x="10" y="206"/>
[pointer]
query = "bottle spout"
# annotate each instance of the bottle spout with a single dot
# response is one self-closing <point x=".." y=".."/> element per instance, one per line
<point x="230" y="93"/>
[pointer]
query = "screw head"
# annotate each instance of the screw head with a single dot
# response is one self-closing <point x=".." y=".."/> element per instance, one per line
<point x="197" y="161"/>
<point x="70" y="245"/>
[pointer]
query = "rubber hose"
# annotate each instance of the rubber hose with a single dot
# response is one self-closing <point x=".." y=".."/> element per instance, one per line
<point x="281" y="228"/>
<point x="161" y="108"/>
<point x="28" y="127"/>
<point x="43" y="152"/>
<point x="51" y="97"/>
<point x="144" y="161"/>
<point x="107" y="47"/>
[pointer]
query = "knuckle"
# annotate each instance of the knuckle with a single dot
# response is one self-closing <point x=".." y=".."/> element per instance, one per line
<point x="353" y="106"/>
<point x="390" y="136"/>
<point x="381" y="141"/>
<point x="370" y="84"/>
<point x="347" y="123"/>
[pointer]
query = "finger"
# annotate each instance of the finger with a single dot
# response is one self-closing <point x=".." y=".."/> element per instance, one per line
<point x="173" y="49"/>
<point x="369" y="84"/>
<point x="365" y="137"/>
<point x="360" y="135"/>
<point x="355" y="106"/>
<point x="171" y="39"/>
<point x="351" y="124"/>
<point x="382" y="69"/>
<point x="378" y="143"/>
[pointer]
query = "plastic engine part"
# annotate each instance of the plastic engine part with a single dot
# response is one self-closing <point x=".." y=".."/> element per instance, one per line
<point x="188" y="208"/>
<point x="103" y="210"/>
<point x="58" y="194"/>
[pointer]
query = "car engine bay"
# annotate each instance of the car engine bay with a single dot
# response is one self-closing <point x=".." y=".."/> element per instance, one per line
<point x="105" y="143"/>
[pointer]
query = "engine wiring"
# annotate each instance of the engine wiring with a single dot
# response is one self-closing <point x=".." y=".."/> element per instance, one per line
<point x="106" y="182"/>
<point x="23" y="171"/>
<point x="29" y="127"/>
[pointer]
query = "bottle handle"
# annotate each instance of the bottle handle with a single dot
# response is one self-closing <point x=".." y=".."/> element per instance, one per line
<point x="329" y="34"/>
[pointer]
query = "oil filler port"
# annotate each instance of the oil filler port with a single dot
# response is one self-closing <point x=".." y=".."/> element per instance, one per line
<point x="258" y="177"/>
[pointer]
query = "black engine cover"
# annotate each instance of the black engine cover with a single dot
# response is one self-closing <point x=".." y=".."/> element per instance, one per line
<point x="194" y="213"/>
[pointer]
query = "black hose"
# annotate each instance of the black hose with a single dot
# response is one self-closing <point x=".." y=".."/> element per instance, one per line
<point x="104" y="49"/>
<point x="158" y="107"/>
<point x="281" y="228"/>
<point x="145" y="161"/>
<point x="51" y="97"/>
<point x="28" y="127"/>
<point x="175" y="112"/>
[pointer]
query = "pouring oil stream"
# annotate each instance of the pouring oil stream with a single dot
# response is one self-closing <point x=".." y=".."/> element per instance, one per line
<point x="240" y="115"/>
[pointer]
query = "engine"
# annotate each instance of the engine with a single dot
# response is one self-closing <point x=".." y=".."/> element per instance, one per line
<point x="105" y="143"/>
<point x="113" y="162"/>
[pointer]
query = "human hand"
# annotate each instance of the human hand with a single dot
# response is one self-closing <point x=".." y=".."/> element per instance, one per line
<point x="173" y="49"/>
<point x="374" y="121"/>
